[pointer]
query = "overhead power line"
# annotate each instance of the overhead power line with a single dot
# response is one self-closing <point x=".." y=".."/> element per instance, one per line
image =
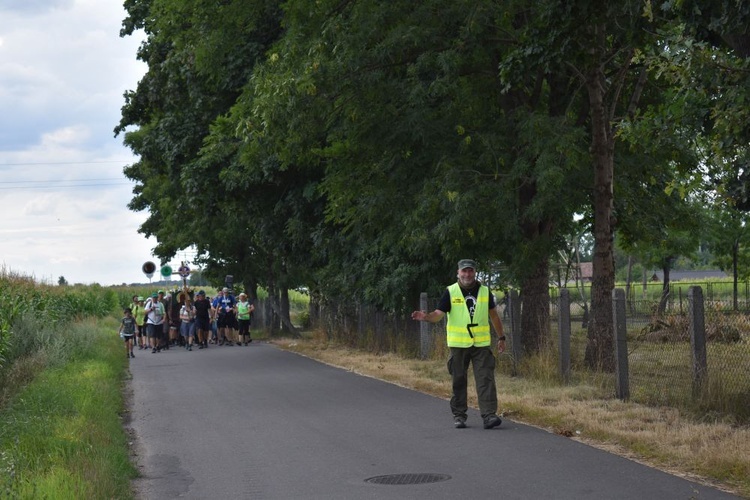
<point x="62" y="163"/>
<point x="61" y="186"/>
<point x="63" y="180"/>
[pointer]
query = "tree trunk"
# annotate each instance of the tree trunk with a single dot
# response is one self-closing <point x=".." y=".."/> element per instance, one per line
<point x="272" y="315"/>
<point x="735" y="273"/>
<point x="628" y="285"/>
<point x="251" y="288"/>
<point x="600" y="346"/>
<point x="282" y="312"/>
<point x="314" y="308"/>
<point x="535" y="312"/>
<point x="581" y="288"/>
<point x="666" y="266"/>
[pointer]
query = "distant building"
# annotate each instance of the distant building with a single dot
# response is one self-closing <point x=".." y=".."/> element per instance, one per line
<point x="689" y="275"/>
<point x="586" y="272"/>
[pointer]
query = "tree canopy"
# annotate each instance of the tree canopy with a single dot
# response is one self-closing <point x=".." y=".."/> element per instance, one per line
<point x="360" y="149"/>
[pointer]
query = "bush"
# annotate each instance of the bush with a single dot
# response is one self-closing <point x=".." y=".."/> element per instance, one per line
<point x="32" y="315"/>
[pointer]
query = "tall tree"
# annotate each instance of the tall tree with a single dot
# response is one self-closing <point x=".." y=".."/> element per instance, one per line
<point x="199" y="57"/>
<point x="596" y="43"/>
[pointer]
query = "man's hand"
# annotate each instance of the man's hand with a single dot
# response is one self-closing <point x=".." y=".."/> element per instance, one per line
<point x="419" y="316"/>
<point x="501" y="346"/>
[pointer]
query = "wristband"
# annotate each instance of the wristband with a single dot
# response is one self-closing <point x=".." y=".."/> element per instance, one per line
<point x="501" y="338"/>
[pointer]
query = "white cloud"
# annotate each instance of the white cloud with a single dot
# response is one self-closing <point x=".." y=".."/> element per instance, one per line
<point x="63" y="71"/>
<point x="62" y="61"/>
<point x="45" y="204"/>
<point x="65" y="137"/>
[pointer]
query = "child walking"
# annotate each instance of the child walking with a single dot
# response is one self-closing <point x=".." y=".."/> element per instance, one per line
<point x="127" y="331"/>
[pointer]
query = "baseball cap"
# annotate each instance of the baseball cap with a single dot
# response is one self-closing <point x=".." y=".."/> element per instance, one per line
<point x="161" y="292"/>
<point x="201" y="293"/>
<point x="464" y="263"/>
<point x="154" y="295"/>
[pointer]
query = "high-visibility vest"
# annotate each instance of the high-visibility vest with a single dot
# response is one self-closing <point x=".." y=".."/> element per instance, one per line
<point x="243" y="310"/>
<point x="138" y="314"/>
<point x="462" y="331"/>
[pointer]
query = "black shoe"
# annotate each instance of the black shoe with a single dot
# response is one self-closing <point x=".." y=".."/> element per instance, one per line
<point x="245" y="343"/>
<point x="200" y="346"/>
<point x="492" y="421"/>
<point x="132" y="355"/>
<point x="459" y="423"/>
<point x="153" y="351"/>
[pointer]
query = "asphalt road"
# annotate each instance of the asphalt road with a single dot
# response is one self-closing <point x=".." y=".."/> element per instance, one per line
<point x="257" y="422"/>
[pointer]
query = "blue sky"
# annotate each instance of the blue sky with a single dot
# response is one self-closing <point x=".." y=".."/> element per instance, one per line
<point x="63" y="72"/>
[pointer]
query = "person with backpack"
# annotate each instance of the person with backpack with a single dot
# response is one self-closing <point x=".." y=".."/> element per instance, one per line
<point x="187" y="323"/>
<point x="155" y="315"/>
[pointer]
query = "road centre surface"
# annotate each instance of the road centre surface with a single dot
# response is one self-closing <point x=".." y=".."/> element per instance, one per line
<point x="258" y="422"/>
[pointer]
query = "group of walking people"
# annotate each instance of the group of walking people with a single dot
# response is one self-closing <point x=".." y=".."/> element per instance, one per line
<point x="164" y="320"/>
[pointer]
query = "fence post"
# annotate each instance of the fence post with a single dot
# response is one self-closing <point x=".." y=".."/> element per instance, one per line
<point x="563" y="315"/>
<point x="697" y="327"/>
<point x="424" y="329"/>
<point x="514" y="302"/>
<point x="622" y="386"/>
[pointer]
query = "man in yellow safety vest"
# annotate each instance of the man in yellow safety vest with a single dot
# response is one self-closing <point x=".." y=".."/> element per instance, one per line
<point x="470" y="307"/>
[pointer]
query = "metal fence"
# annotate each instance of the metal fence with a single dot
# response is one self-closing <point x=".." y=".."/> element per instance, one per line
<point x="695" y="355"/>
<point x="365" y="327"/>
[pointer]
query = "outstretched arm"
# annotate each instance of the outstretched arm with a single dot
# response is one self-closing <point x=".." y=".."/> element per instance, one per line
<point x="431" y="317"/>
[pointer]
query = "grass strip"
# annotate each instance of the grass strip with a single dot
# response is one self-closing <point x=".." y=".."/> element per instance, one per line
<point x="61" y="436"/>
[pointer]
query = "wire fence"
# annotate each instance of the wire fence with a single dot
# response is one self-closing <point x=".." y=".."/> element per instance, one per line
<point x="659" y="351"/>
<point x="662" y="360"/>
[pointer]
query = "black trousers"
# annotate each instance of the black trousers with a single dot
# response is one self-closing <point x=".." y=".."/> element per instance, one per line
<point x="483" y="363"/>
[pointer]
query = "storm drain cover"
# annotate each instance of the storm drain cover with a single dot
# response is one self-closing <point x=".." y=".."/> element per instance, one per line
<point x="407" y="479"/>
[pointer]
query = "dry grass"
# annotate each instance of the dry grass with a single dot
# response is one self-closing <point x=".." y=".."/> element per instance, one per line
<point x="715" y="453"/>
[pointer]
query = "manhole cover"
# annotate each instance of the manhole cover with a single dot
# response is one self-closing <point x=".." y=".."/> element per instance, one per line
<point x="406" y="479"/>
